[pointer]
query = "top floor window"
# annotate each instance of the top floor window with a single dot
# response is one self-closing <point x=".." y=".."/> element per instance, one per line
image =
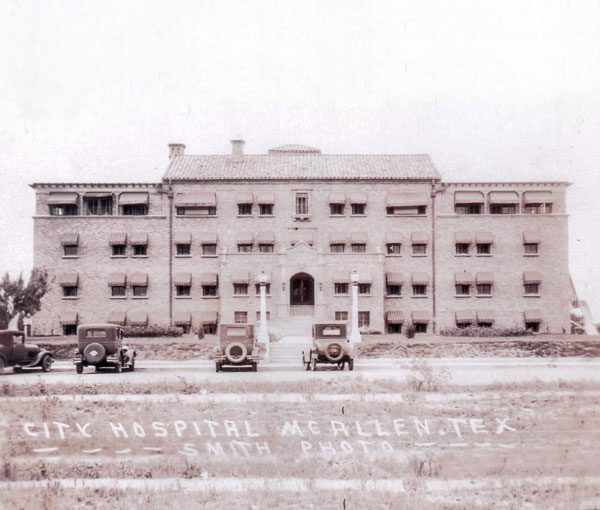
<point x="406" y="211"/>
<point x="358" y="209"/>
<point x="503" y="208"/>
<point x="265" y="209"/>
<point x="336" y="209"/>
<point x="134" y="210"/>
<point x="64" y="210"/>
<point x="468" y="208"/>
<point x="244" y="209"/>
<point x="98" y="205"/>
<point x="197" y="211"/>
<point x="537" y="208"/>
<point x="302" y="208"/>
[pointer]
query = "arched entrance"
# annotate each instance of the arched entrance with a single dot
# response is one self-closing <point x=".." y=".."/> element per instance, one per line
<point x="302" y="290"/>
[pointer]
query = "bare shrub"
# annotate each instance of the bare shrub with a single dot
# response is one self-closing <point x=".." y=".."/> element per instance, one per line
<point x="477" y="331"/>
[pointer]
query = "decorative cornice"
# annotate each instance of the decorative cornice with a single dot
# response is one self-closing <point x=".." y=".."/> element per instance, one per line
<point x="507" y="184"/>
<point x="91" y="185"/>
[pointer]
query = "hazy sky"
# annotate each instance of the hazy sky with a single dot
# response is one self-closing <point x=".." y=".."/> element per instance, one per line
<point x="493" y="90"/>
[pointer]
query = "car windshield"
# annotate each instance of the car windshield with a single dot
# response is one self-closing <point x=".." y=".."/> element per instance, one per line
<point x="236" y="332"/>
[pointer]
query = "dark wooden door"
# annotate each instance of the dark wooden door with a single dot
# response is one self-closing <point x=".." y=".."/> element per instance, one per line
<point x="302" y="290"/>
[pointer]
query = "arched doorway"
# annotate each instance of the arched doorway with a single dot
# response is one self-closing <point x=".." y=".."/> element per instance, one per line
<point x="302" y="290"/>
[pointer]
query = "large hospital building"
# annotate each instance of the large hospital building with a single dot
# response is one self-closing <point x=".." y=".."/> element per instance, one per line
<point x="187" y="250"/>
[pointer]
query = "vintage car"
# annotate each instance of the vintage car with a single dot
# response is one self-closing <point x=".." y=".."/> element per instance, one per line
<point x="330" y="346"/>
<point x="16" y="353"/>
<point x="101" y="346"/>
<point x="237" y="347"/>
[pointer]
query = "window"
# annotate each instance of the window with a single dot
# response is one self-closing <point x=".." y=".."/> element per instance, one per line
<point x="358" y="209"/>
<point x="98" y="206"/>
<point x="394" y="328"/>
<point x="419" y="249"/>
<point x="364" y="288"/>
<point x="484" y="249"/>
<point x="341" y="316"/>
<point x="258" y="315"/>
<point x="244" y="209"/>
<point x="69" y="329"/>
<point x="337" y="248"/>
<point x="267" y="289"/>
<point x="244" y="248"/>
<point x="468" y="208"/>
<point x="420" y="328"/>
<point x="364" y="319"/>
<point x="462" y="248"/>
<point x="537" y="208"/>
<point x="530" y="248"/>
<point x="419" y="290"/>
<point x="393" y="290"/>
<point x="64" y="210"/>
<point x="210" y="329"/>
<point x="393" y="248"/>
<point x="140" y="290"/>
<point x="265" y="248"/>
<point x="209" y="290"/>
<point x="336" y="209"/>
<point x="341" y="288"/>
<point x="503" y="208"/>
<point x="70" y="291"/>
<point x="183" y="250"/>
<point x="209" y="249"/>
<point x="406" y="211"/>
<point x="463" y="324"/>
<point x="302" y="204"/>
<point x="185" y="328"/>
<point x="140" y="250"/>
<point x="118" y="250"/>
<point x="134" y="210"/>
<point x="70" y="250"/>
<point x="265" y="209"/>
<point x="533" y="327"/>
<point x="197" y="211"/>
<point x="183" y="290"/>
<point x="117" y="291"/>
<point x="485" y="324"/>
<point x="240" y="317"/>
<point x="240" y="289"/>
<point x="359" y="248"/>
<point x="484" y="289"/>
<point x="532" y="289"/>
<point x="463" y="290"/>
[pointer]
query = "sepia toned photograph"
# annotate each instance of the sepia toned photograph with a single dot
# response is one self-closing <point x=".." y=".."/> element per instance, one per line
<point x="299" y="254"/>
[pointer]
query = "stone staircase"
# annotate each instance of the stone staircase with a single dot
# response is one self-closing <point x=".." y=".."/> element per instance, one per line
<point x="288" y="350"/>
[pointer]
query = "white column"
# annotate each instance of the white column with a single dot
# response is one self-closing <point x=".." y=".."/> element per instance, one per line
<point x="354" y="332"/>
<point x="263" y="333"/>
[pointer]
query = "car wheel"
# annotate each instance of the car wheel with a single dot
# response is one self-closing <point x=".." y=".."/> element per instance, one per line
<point x="340" y="366"/>
<point x="79" y="368"/>
<point x="118" y="368"/>
<point x="17" y="370"/>
<point x="254" y="367"/>
<point x="314" y="364"/>
<point x="217" y="367"/>
<point x="46" y="363"/>
<point x="97" y="368"/>
<point x="2" y="365"/>
<point x="132" y="365"/>
<point x="351" y="364"/>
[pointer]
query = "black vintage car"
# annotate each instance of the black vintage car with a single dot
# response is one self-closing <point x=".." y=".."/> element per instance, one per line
<point x="330" y="346"/>
<point x="237" y="347"/>
<point x="16" y="353"/>
<point x="101" y="346"/>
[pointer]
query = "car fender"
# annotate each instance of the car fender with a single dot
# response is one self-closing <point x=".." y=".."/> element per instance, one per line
<point x="38" y="358"/>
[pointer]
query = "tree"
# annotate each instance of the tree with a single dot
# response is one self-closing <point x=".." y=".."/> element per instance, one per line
<point x="16" y="297"/>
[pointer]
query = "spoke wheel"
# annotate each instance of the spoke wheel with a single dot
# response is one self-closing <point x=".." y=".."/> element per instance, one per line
<point x="46" y="364"/>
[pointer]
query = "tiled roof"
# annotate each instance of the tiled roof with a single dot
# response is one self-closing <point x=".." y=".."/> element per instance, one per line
<point x="298" y="165"/>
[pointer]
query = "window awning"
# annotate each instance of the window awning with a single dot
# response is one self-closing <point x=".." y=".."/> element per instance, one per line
<point x="257" y="281"/>
<point x="117" y="279"/>
<point x="358" y="197"/>
<point x="308" y="236"/>
<point x="138" y="280"/>
<point x="394" y="317"/>
<point x="420" y="317"/>
<point x="341" y="277"/>
<point x="338" y="237"/>
<point x="138" y="238"/>
<point x="70" y="279"/>
<point x="265" y="237"/>
<point x="208" y="317"/>
<point x="532" y="277"/>
<point x="532" y="237"/>
<point x="62" y="199"/>
<point x="182" y="318"/>
<point x="69" y="239"/>
<point x="393" y="237"/>
<point x="196" y="199"/>
<point x="486" y="316"/>
<point x="245" y="197"/>
<point x="337" y="197"/>
<point x="240" y="277"/>
<point x="394" y="278"/>
<point x="406" y="199"/>
<point x="117" y="317"/>
<point x="182" y="238"/>
<point x="182" y="278"/>
<point x="68" y="318"/>
<point x="133" y="199"/>
<point x="209" y="278"/>
<point x="504" y="197"/>
<point x="358" y="237"/>
<point x="465" y="316"/>
<point x="463" y="278"/>
<point x="420" y="279"/>
<point x="138" y="318"/>
<point x="532" y="315"/>
<point x="537" y="197"/>
<point x="468" y="197"/>
<point x="245" y="237"/>
<point x="98" y="194"/>
<point x="365" y="277"/>
<point x="265" y="197"/>
<point x="420" y="237"/>
<point x="484" y="237"/>
<point x="208" y="238"/>
<point x="485" y="277"/>
<point x="116" y="238"/>
<point x="463" y="237"/>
